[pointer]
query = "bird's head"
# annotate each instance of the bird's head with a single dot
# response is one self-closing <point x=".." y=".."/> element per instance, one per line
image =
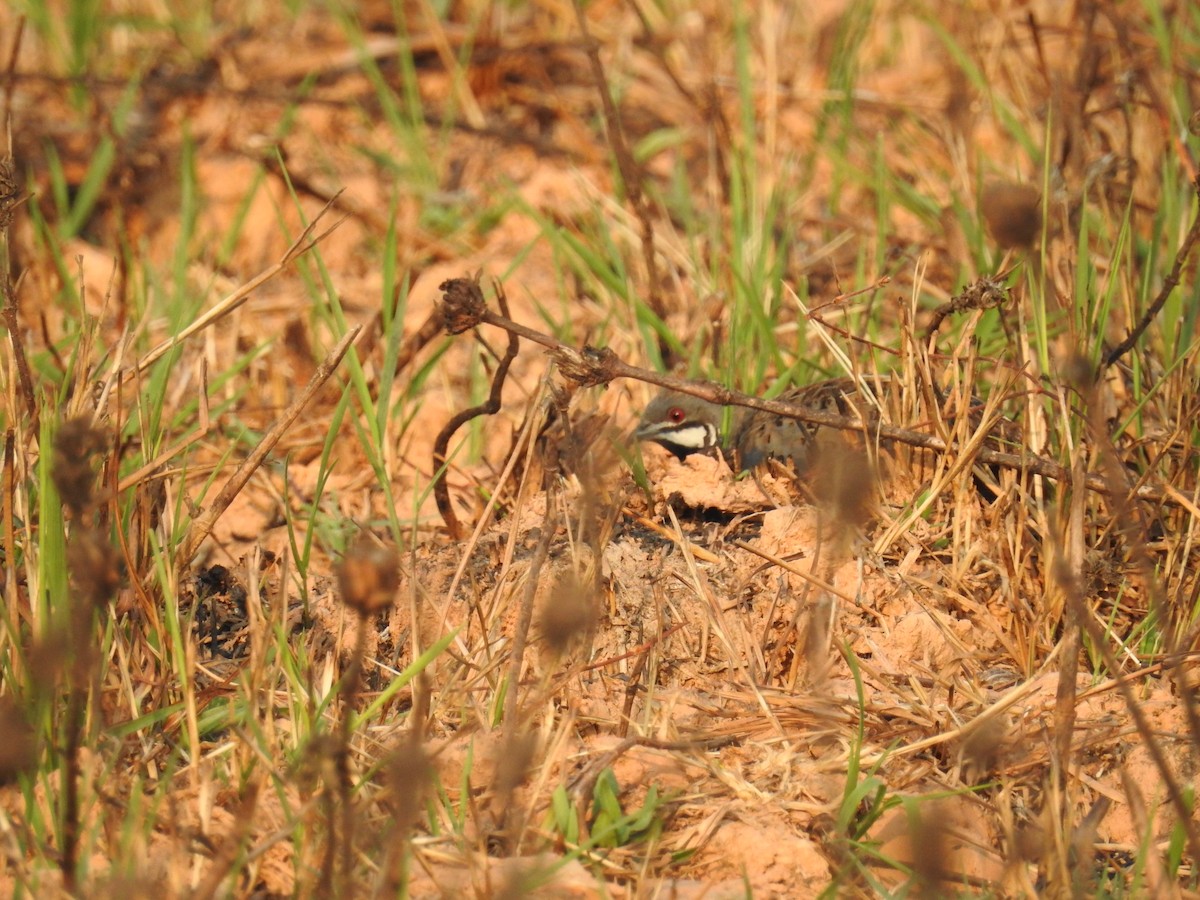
<point x="681" y="423"/>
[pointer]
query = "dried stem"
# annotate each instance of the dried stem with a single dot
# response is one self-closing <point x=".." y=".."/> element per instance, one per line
<point x="709" y="109"/>
<point x="9" y="316"/>
<point x="203" y="524"/>
<point x="512" y="723"/>
<point x="441" y="489"/>
<point x="305" y="242"/>
<point x="11" y="196"/>
<point x="631" y="174"/>
<point x="463" y="308"/>
<point x="1169" y="284"/>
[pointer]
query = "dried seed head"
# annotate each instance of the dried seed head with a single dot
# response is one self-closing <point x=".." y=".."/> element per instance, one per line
<point x="11" y="195"/>
<point x="74" y="446"/>
<point x="409" y="775"/>
<point x="369" y="575"/>
<point x="1079" y="373"/>
<point x="845" y="482"/>
<point x="569" y="610"/>
<point x="1012" y="213"/>
<point x="18" y="750"/>
<point x="516" y="758"/>
<point x="929" y="836"/>
<point x="95" y="566"/>
<point x="48" y="660"/>
<point x="319" y="762"/>
<point x="981" y="751"/>
<point x="463" y="305"/>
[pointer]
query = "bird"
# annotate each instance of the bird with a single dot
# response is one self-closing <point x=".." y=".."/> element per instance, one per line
<point x="685" y="424"/>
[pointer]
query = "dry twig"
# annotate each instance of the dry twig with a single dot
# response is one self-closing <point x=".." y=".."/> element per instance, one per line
<point x="203" y="523"/>
<point x="441" y="489"/>
<point x="1169" y="284"/>
<point x="631" y="174"/>
<point x="305" y="242"/>
<point x="463" y="307"/>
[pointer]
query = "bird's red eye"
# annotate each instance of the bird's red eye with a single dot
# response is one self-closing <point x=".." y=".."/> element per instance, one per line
<point x="676" y="415"/>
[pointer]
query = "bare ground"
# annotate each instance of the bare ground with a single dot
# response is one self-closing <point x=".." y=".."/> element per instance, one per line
<point x="742" y="652"/>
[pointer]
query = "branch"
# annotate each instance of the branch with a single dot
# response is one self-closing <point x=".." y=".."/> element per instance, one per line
<point x="441" y="489"/>
<point x="463" y="307"/>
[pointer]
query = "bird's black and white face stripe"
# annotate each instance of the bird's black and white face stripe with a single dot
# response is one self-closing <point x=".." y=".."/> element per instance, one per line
<point x="681" y="423"/>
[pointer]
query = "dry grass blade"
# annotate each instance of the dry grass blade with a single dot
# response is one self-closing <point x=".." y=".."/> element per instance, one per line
<point x="631" y="173"/>
<point x="301" y="245"/>
<point x="202" y="525"/>
<point x="261" y="637"/>
<point x="591" y="366"/>
<point x="1169" y="284"/>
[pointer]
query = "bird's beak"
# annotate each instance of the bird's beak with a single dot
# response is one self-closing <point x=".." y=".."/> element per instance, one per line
<point x="648" y="431"/>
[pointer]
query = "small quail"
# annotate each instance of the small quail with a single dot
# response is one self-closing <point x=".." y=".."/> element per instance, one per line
<point x="685" y="424"/>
